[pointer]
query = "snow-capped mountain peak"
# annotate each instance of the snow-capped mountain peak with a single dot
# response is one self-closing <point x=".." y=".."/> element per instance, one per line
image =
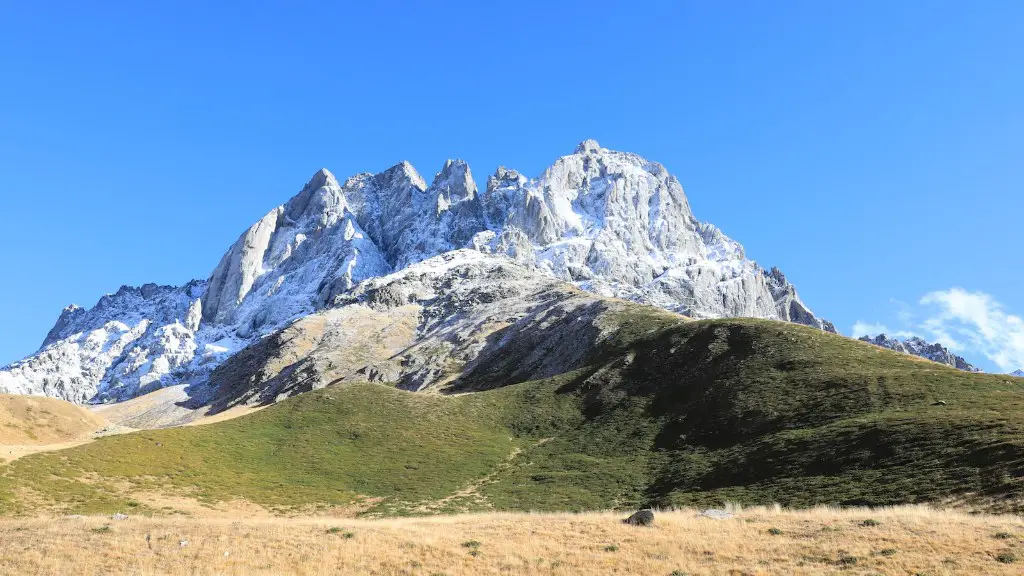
<point x="455" y="181"/>
<point x="586" y="146"/>
<point x="1018" y="373"/>
<point x="920" y="347"/>
<point x="610" y="222"/>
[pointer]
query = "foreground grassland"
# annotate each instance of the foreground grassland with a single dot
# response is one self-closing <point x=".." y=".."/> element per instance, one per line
<point x="754" y="542"/>
<point x="663" y="412"/>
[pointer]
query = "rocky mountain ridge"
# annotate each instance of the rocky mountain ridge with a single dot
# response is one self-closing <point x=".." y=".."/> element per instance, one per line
<point x="919" y="347"/>
<point x="609" y="222"/>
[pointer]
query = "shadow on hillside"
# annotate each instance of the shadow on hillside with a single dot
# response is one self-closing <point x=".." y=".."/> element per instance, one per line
<point x="549" y="341"/>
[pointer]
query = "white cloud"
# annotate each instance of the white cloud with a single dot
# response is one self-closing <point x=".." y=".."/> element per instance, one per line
<point x="975" y="322"/>
<point x="905" y="312"/>
<point x="867" y="329"/>
<point x="861" y="328"/>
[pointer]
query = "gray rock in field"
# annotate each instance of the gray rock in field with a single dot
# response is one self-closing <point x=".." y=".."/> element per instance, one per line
<point x="715" y="514"/>
<point x="641" y="518"/>
<point x="119" y="516"/>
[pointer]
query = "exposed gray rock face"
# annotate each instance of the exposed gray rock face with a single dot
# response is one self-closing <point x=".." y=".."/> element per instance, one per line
<point x="290" y="262"/>
<point x="620" y="225"/>
<point x="411" y="222"/>
<point x="387" y="204"/>
<point x="919" y="347"/>
<point x="462" y="321"/>
<point x="1018" y="373"/>
<point x="611" y="223"/>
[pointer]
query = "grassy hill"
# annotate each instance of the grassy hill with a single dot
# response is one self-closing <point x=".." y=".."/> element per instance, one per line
<point x="28" y="420"/>
<point x="666" y="412"/>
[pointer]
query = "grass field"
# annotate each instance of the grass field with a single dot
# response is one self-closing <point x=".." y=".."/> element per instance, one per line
<point x="909" y="540"/>
<point x="665" y="412"/>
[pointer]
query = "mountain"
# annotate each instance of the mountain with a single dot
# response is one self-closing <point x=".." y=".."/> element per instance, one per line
<point x="919" y="347"/>
<point x="1018" y="373"/>
<point x="611" y="223"/>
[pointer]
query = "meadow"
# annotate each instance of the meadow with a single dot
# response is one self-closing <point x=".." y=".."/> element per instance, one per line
<point x="754" y="541"/>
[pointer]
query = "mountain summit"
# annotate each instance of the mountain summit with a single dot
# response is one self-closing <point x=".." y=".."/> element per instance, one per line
<point x="612" y="223"/>
<point x="920" y="347"/>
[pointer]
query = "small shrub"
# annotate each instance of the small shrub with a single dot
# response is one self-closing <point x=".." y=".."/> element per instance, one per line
<point x="870" y="523"/>
<point x="1006" y="558"/>
<point x="102" y="529"/>
<point x="474" y="544"/>
<point x="1002" y="535"/>
<point x="679" y="573"/>
<point x="846" y="560"/>
<point x="887" y="552"/>
<point x="611" y="548"/>
<point x="341" y="531"/>
<point x="774" y="531"/>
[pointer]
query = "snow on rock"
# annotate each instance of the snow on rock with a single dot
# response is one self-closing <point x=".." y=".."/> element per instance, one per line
<point x="291" y="262"/>
<point x="919" y="347"/>
<point x="610" y="222"/>
<point x="619" y="225"/>
<point x="128" y="341"/>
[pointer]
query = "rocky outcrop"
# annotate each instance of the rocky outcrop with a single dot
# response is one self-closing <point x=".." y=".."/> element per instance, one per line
<point x="619" y="225"/>
<point x="919" y="347"/>
<point x="291" y="262"/>
<point x="460" y="321"/>
<point x="611" y="223"/>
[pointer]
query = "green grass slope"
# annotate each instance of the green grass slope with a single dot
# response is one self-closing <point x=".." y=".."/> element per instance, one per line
<point x="665" y="412"/>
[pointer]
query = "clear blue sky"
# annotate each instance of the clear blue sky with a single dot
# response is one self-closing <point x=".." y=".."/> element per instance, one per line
<point x="872" y="150"/>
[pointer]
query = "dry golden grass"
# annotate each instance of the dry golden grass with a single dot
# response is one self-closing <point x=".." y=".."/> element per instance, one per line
<point x="39" y="420"/>
<point x="33" y="424"/>
<point x="821" y="541"/>
<point x="30" y="424"/>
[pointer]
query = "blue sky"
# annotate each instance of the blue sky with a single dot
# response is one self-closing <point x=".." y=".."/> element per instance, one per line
<point x="871" y="150"/>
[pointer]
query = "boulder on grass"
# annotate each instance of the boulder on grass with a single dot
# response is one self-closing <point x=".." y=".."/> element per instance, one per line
<point x="641" y="518"/>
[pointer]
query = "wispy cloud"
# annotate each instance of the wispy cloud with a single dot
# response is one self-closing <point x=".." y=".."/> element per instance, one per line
<point x="867" y="329"/>
<point x="861" y="328"/>
<point x="972" y="324"/>
<point x="975" y="321"/>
